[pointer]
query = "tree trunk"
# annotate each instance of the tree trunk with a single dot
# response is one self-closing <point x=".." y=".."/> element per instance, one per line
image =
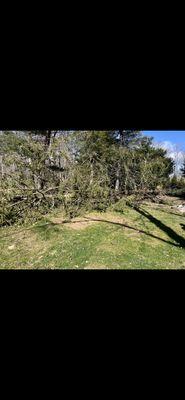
<point x="2" y="169"/>
<point x="48" y="138"/>
<point x="117" y="184"/>
<point x="91" y="174"/>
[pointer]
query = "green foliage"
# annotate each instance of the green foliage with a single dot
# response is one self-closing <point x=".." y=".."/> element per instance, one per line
<point x="176" y="186"/>
<point x="87" y="170"/>
<point x="183" y="169"/>
<point x="119" y="206"/>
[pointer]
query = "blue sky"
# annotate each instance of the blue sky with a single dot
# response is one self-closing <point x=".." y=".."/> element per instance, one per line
<point x="175" y="137"/>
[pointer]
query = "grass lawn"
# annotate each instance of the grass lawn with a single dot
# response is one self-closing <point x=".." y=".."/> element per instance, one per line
<point x="150" y="238"/>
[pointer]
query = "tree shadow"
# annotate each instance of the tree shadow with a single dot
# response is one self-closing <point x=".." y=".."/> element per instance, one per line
<point x="180" y="241"/>
<point x="137" y="230"/>
<point x="166" y="229"/>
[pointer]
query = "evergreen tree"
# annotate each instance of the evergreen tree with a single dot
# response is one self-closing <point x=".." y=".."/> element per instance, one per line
<point x="126" y="138"/>
<point x="91" y="169"/>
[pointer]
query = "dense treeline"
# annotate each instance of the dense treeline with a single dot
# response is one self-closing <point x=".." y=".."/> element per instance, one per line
<point x="40" y="170"/>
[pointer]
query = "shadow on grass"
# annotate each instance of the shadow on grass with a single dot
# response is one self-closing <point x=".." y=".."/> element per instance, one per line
<point x="183" y="226"/>
<point x="166" y="229"/>
<point x="50" y="227"/>
<point x="180" y="241"/>
<point x="135" y="229"/>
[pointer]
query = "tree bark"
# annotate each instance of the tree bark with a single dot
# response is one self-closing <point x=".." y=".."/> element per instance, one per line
<point x="91" y="174"/>
<point x="2" y="169"/>
<point x="48" y="138"/>
<point x="117" y="184"/>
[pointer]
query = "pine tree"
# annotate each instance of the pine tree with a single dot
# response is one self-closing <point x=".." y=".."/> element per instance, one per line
<point x="126" y="138"/>
<point x="41" y="169"/>
<point x="94" y="157"/>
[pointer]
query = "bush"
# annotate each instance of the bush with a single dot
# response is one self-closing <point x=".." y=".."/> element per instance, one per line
<point x="119" y="206"/>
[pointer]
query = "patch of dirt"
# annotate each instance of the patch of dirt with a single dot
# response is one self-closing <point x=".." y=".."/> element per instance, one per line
<point x="79" y="224"/>
<point x="106" y="217"/>
<point x="88" y="220"/>
<point x="75" y="223"/>
<point x="57" y="220"/>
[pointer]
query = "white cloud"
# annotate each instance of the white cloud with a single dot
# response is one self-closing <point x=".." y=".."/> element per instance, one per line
<point x="174" y="151"/>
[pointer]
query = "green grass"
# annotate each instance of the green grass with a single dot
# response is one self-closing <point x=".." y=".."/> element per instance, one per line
<point x="116" y="241"/>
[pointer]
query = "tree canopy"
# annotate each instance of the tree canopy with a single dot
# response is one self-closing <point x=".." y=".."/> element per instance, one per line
<point x="40" y="170"/>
